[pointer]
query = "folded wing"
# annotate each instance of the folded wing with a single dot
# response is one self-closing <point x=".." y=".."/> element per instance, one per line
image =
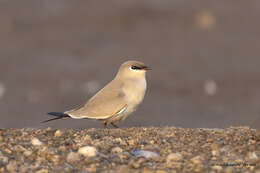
<point x="106" y="103"/>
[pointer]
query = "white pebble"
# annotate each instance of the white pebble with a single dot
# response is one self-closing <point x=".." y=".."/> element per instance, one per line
<point x="145" y="154"/>
<point x="58" y="133"/>
<point x="36" y="142"/>
<point x="88" y="151"/>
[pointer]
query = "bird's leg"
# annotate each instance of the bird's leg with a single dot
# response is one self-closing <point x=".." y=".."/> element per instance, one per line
<point x="114" y="125"/>
<point x="105" y="125"/>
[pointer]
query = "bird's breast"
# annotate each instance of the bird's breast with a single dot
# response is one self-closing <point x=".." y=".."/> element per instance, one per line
<point x="134" y="91"/>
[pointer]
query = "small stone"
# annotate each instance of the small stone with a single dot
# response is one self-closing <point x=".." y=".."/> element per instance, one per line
<point x="87" y="139"/>
<point x="228" y="170"/>
<point x="8" y="151"/>
<point x="160" y="171"/>
<point x="122" y="169"/>
<point x="73" y="157"/>
<point x="62" y="148"/>
<point x="91" y="169"/>
<point x="215" y="152"/>
<point x="145" y="154"/>
<point x="131" y="142"/>
<point x="27" y="153"/>
<point x="58" y="133"/>
<point x="23" y="169"/>
<point x="36" y="142"/>
<point x="196" y="160"/>
<point x="3" y="159"/>
<point x="152" y="142"/>
<point x="88" y="151"/>
<point x="217" y="168"/>
<point x="12" y="166"/>
<point x="251" y="141"/>
<point x="19" y="148"/>
<point x="53" y="158"/>
<point x="123" y="155"/>
<point x="134" y="164"/>
<point x="120" y="141"/>
<point x="174" y="157"/>
<point x="42" y="171"/>
<point x="252" y="156"/>
<point x="116" y="150"/>
<point x="146" y="170"/>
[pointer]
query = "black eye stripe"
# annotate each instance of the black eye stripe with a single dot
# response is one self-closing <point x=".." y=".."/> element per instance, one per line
<point x="136" y="67"/>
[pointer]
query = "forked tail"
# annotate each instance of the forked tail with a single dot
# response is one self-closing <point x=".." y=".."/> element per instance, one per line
<point x="58" y="115"/>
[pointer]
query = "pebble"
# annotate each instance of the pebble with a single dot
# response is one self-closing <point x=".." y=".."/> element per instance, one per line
<point x="73" y="157"/>
<point x="88" y="151"/>
<point x="36" y="142"/>
<point x="12" y="166"/>
<point x="58" y="133"/>
<point x="131" y="142"/>
<point x="146" y="170"/>
<point x="252" y="156"/>
<point x="27" y="153"/>
<point x="160" y="171"/>
<point x="215" y="152"/>
<point x="42" y="171"/>
<point x="8" y="151"/>
<point x="196" y="159"/>
<point x="3" y="159"/>
<point x="217" y="168"/>
<point x="145" y="154"/>
<point x="116" y="150"/>
<point x="87" y="139"/>
<point x="174" y="157"/>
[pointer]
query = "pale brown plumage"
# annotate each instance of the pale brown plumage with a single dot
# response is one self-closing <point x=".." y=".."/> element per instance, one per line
<point x="117" y="99"/>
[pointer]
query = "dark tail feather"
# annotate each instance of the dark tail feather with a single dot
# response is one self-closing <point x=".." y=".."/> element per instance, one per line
<point x="59" y="115"/>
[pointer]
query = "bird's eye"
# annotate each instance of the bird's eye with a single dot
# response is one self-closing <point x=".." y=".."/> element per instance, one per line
<point x="133" y="67"/>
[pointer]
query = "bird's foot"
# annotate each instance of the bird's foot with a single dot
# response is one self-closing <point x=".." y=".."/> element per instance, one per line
<point x="114" y="125"/>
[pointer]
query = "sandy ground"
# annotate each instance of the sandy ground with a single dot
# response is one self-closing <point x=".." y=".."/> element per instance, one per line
<point x="54" y="55"/>
<point x="146" y="150"/>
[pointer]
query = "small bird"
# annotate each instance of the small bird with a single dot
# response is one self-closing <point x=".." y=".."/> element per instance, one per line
<point x="116" y="100"/>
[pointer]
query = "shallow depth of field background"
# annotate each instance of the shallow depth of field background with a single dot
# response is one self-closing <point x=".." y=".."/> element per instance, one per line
<point x="205" y="56"/>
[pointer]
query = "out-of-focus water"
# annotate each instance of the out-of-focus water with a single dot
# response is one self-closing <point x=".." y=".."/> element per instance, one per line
<point x="205" y="58"/>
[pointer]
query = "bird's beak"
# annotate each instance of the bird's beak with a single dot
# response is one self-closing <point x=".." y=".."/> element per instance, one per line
<point x="146" y="68"/>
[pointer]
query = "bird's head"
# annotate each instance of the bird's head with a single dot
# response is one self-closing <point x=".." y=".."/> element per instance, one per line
<point x="132" y="69"/>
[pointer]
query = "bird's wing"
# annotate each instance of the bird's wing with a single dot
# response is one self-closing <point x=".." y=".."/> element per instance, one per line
<point x="106" y="103"/>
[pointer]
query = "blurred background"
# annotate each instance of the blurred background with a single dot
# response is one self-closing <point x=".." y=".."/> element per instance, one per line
<point x="205" y="56"/>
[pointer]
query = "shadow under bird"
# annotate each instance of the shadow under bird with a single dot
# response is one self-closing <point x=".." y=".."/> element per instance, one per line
<point x="116" y="100"/>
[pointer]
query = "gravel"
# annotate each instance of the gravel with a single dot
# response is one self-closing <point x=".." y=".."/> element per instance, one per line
<point x="170" y="149"/>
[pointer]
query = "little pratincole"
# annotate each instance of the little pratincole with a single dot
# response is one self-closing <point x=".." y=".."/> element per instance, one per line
<point x="116" y="100"/>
